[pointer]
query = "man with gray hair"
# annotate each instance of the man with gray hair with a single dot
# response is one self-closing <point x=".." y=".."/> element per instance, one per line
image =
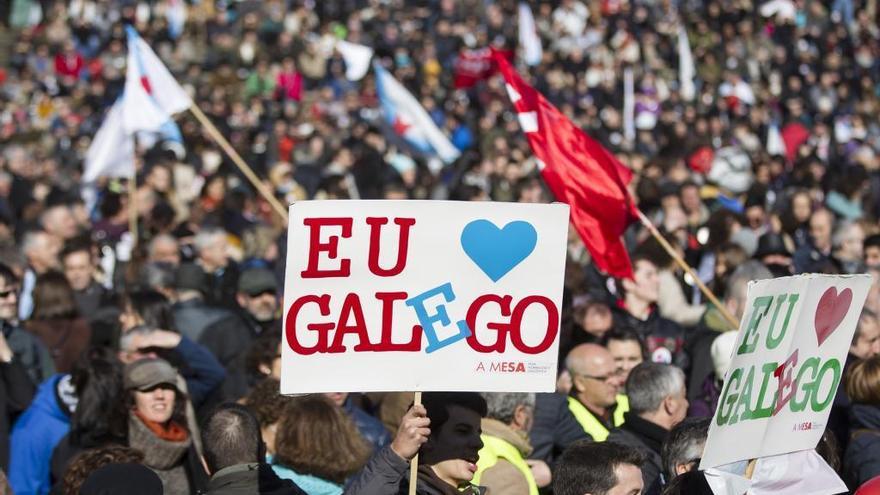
<point x="212" y="255"/>
<point x="683" y="448"/>
<point x="502" y="467"/>
<point x="657" y="403"/>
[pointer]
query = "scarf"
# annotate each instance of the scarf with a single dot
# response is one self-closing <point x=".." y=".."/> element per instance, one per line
<point x="166" y="457"/>
<point x="171" y="432"/>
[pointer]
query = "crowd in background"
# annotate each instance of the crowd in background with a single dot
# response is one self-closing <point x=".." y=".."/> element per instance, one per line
<point x="117" y="349"/>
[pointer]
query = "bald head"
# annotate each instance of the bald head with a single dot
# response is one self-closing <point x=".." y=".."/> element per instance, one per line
<point x="594" y="376"/>
<point x="587" y="358"/>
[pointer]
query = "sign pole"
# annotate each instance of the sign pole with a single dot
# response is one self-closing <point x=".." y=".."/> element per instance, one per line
<point x="414" y="463"/>
<point x="687" y="268"/>
<point x="239" y="162"/>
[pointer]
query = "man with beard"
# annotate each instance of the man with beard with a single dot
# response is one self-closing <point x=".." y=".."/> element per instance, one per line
<point x="228" y="339"/>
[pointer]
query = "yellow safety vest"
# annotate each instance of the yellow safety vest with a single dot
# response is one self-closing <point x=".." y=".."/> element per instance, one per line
<point x="495" y="448"/>
<point x="591" y="424"/>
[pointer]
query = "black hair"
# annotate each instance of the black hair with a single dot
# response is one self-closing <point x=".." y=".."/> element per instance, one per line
<point x="75" y="245"/>
<point x="262" y="352"/>
<point x="7" y="274"/>
<point x="625" y="334"/>
<point x="689" y="483"/>
<point x="871" y="241"/>
<point x="588" y="467"/>
<point x="437" y="404"/>
<point x="153" y="308"/>
<point x="100" y="416"/>
<point x="231" y="435"/>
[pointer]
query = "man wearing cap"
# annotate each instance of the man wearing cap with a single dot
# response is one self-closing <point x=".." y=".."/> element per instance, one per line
<point x="229" y="339"/>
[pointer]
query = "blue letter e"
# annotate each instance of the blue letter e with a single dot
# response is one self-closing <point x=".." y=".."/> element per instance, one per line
<point x="441" y="316"/>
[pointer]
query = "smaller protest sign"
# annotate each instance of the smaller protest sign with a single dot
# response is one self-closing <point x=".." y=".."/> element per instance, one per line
<point x="423" y="295"/>
<point x="787" y="365"/>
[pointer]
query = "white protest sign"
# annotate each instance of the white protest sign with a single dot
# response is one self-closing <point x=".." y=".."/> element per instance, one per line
<point x="422" y="296"/>
<point x="787" y="365"/>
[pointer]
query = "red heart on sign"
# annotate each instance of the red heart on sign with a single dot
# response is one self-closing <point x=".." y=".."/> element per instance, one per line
<point x="830" y="311"/>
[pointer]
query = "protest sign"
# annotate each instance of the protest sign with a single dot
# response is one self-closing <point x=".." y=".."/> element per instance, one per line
<point x="787" y="365"/>
<point x="423" y="295"/>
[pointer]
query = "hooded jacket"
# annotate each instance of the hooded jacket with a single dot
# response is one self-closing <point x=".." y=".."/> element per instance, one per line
<point x="34" y="437"/>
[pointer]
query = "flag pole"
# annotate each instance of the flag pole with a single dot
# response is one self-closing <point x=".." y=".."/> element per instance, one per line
<point x="239" y="162"/>
<point x="132" y="209"/>
<point x="687" y="268"/>
<point x="414" y="463"/>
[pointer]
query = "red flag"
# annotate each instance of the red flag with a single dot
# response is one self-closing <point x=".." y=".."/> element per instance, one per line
<point x="473" y="66"/>
<point x="580" y="172"/>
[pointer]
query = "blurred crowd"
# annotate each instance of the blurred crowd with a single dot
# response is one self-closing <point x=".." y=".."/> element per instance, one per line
<point x="126" y="349"/>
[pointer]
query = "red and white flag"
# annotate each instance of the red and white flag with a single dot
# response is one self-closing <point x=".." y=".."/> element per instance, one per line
<point x="152" y="95"/>
<point x="473" y="66"/>
<point x="579" y="172"/>
<point x="111" y="153"/>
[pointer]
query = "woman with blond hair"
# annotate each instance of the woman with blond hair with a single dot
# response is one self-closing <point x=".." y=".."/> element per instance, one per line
<point x="862" y="457"/>
<point x="317" y="446"/>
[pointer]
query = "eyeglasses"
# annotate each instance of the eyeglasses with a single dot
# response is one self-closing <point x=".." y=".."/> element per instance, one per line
<point x="611" y="376"/>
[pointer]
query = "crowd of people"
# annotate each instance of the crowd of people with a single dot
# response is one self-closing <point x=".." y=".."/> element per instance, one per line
<point x="148" y="361"/>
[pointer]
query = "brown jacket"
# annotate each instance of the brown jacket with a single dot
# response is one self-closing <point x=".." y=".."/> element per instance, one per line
<point x="504" y="478"/>
<point x="65" y="339"/>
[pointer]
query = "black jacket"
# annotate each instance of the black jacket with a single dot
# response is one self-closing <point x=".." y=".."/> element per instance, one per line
<point x="250" y="479"/>
<point x="657" y="332"/>
<point x="229" y="339"/>
<point x="16" y="392"/>
<point x="388" y="474"/>
<point x="30" y="352"/>
<point x="648" y="438"/>
<point x="861" y="461"/>
<point x="554" y="428"/>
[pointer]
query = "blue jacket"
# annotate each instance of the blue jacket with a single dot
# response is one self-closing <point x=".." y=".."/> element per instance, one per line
<point x="203" y="372"/>
<point x="371" y="428"/>
<point x="312" y="485"/>
<point x="34" y="437"/>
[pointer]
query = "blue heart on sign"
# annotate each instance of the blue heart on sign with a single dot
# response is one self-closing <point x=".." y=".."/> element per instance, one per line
<point x="497" y="251"/>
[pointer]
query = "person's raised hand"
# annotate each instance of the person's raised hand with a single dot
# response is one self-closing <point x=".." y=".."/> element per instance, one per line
<point x="156" y="338"/>
<point x="412" y="433"/>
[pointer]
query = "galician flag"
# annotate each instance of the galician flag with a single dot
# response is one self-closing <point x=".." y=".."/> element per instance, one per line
<point x="111" y="153"/>
<point x="152" y="95"/>
<point x="409" y="119"/>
